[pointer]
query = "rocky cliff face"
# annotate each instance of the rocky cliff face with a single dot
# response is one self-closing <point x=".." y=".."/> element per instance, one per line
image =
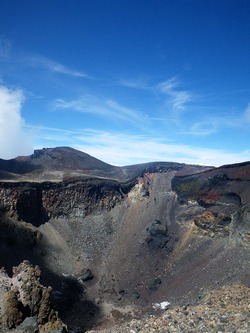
<point x="36" y="203"/>
<point x="217" y="200"/>
<point x="126" y="236"/>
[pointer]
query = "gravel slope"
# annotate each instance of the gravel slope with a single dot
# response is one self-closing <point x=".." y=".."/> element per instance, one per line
<point x="223" y="310"/>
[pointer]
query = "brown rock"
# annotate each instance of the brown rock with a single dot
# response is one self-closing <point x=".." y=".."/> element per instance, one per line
<point x="24" y="296"/>
<point x="13" y="316"/>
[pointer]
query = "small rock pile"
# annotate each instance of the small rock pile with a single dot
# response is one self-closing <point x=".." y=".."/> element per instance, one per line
<point x="225" y="310"/>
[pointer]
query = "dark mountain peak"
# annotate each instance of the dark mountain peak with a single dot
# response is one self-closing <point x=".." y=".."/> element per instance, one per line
<point x="54" y="164"/>
<point x="67" y="158"/>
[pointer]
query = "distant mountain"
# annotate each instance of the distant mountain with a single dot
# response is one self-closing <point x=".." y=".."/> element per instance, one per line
<point x="62" y="163"/>
<point x="53" y="159"/>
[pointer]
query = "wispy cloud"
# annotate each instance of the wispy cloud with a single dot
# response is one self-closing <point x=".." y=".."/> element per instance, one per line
<point x="202" y="128"/>
<point x="124" y="112"/>
<point x="202" y="120"/>
<point x="108" y="108"/>
<point x="123" y="148"/>
<point x="212" y="124"/>
<point x="23" y="60"/>
<point x="36" y="61"/>
<point x="64" y="70"/>
<point x="53" y="66"/>
<point x="139" y="83"/>
<point x="179" y="98"/>
<point x="170" y="88"/>
<point x="14" y="140"/>
<point x="19" y="58"/>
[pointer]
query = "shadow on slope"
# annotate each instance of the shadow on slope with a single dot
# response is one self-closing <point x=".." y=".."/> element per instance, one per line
<point x="18" y="241"/>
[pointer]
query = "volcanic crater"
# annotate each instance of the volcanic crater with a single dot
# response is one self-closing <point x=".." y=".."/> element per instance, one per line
<point x="111" y="241"/>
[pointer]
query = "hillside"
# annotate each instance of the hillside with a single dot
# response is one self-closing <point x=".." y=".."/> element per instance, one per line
<point x="113" y="240"/>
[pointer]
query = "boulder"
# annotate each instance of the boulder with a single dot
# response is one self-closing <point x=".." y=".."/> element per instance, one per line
<point x="86" y="275"/>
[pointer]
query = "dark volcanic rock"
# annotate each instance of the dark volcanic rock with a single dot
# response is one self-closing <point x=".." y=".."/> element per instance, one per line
<point x="86" y="275"/>
<point x="229" y="183"/>
<point x="223" y="195"/>
<point x="158" y="236"/>
<point x="157" y="229"/>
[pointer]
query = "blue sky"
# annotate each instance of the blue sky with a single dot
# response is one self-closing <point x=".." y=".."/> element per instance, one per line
<point x="127" y="81"/>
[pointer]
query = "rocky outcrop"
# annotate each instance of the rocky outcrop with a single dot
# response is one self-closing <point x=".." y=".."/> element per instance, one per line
<point x="23" y="202"/>
<point x="25" y="304"/>
<point x="158" y="236"/>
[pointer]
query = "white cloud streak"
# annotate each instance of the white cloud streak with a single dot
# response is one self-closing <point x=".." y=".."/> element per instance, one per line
<point x="64" y="70"/>
<point x="123" y="149"/>
<point x="178" y="97"/>
<point x="13" y="140"/>
<point x="135" y="84"/>
<point x="39" y="61"/>
<point x="108" y="108"/>
<point x="202" y="128"/>
<point x="36" y="61"/>
<point x="210" y="125"/>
